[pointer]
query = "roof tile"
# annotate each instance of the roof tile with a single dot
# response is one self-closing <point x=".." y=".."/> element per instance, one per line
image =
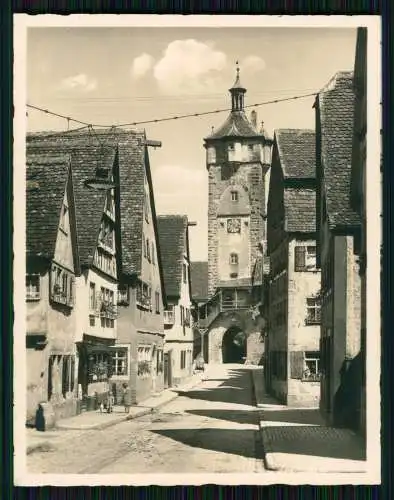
<point x="236" y="125"/>
<point x="300" y="210"/>
<point x="89" y="203"/>
<point x="296" y="148"/>
<point x="336" y="105"/>
<point x="172" y="238"/>
<point x="46" y="178"/>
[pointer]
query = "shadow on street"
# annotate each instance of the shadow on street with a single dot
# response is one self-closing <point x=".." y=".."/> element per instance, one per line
<point x="232" y="389"/>
<point x="234" y="441"/>
<point x="310" y="440"/>
<point x="236" y="416"/>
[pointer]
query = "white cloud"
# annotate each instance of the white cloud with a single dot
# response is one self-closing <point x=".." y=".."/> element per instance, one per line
<point x="189" y="66"/>
<point x="141" y="65"/>
<point x="79" y="82"/>
<point x="253" y="64"/>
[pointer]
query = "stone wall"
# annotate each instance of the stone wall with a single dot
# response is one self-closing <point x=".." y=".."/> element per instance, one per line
<point x="250" y="176"/>
<point x="244" y="321"/>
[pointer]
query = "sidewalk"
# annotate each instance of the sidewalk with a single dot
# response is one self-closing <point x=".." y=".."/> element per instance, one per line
<point x="298" y="439"/>
<point x="94" y="420"/>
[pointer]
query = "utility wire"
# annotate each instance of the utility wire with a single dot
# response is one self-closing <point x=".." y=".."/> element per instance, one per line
<point x="170" y="118"/>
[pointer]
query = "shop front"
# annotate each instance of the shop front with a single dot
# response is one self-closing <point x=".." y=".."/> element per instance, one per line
<point x="95" y="368"/>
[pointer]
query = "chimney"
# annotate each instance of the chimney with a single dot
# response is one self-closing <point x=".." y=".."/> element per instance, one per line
<point x="253" y="118"/>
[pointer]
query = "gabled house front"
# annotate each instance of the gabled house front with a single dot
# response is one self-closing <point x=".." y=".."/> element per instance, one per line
<point x="337" y="225"/>
<point x="178" y="323"/>
<point x="96" y="285"/>
<point x="292" y="362"/>
<point x="139" y="360"/>
<point x="51" y="265"/>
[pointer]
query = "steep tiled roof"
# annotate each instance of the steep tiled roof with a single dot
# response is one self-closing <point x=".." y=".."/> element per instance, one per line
<point x="89" y="203"/>
<point x="172" y="239"/>
<point x="300" y="210"/>
<point x="296" y="148"/>
<point x="236" y="125"/>
<point x="46" y="177"/>
<point x="336" y="105"/>
<point x="133" y="163"/>
<point x="199" y="280"/>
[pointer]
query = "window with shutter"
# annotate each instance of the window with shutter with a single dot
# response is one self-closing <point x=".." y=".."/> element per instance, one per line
<point x="299" y="258"/>
<point x="296" y="364"/>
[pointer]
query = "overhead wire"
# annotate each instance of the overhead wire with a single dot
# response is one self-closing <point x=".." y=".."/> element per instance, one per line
<point x="165" y="119"/>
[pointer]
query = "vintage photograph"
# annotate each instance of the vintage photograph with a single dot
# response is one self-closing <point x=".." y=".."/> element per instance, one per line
<point x="193" y="219"/>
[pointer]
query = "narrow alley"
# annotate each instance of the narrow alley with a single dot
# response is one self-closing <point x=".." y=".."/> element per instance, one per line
<point x="210" y="428"/>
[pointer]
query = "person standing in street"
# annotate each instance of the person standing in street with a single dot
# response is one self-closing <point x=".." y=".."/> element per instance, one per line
<point x="126" y="397"/>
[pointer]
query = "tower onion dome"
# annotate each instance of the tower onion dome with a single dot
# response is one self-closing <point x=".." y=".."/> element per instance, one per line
<point x="237" y="123"/>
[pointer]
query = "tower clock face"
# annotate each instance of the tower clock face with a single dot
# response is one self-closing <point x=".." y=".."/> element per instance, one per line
<point x="234" y="225"/>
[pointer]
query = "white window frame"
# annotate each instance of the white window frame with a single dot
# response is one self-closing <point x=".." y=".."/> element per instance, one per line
<point x="316" y="308"/>
<point x="312" y="357"/>
<point x="123" y="294"/>
<point x="62" y="285"/>
<point x="33" y="292"/>
<point x="116" y="358"/>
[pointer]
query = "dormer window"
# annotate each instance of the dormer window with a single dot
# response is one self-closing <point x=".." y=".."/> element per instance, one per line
<point x="234" y="195"/>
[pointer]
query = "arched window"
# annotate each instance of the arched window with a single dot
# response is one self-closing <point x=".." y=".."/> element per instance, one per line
<point x="233" y="259"/>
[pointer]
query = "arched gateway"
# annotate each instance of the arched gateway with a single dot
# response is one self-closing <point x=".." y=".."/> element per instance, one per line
<point x="234" y="346"/>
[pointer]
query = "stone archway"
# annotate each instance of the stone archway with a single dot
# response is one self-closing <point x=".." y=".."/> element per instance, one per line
<point x="234" y="346"/>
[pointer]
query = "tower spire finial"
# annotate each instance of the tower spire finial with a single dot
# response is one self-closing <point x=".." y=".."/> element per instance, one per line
<point x="237" y="92"/>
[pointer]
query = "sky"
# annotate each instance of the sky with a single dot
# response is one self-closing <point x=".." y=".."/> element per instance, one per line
<point x="119" y="75"/>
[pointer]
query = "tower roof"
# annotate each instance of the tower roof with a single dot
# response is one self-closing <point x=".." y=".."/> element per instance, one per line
<point x="237" y="84"/>
<point x="236" y="125"/>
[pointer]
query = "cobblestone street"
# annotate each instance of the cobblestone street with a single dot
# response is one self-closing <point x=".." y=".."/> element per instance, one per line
<point x="210" y="428"/>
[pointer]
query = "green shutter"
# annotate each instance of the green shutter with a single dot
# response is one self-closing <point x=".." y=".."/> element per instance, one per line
<point x="296" y="364"/>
